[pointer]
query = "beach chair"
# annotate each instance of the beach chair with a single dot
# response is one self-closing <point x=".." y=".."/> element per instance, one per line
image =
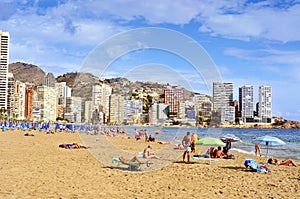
<point x="131" y="165"/>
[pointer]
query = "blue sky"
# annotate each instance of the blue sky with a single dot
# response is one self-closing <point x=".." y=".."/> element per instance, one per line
<point x="249" y="42"/>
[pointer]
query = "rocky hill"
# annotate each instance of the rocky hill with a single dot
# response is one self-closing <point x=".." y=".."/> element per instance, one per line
<point x="81" y="83"/>
<point x="27" y="73"/>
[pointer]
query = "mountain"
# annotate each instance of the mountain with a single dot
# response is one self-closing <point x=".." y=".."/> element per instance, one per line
<point x="27" y="73"/>
<point x="81" y="83"/>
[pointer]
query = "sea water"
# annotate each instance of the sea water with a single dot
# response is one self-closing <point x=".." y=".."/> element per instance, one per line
<point x="290" y="136"/>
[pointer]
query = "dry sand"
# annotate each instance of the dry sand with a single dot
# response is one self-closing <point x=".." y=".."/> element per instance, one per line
<point x="35" y="167"/>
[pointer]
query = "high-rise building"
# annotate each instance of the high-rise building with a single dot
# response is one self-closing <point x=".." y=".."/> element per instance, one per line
<point x="173" y="96"/>
<point x="223" y="103"/>
<point x="48" y="103"/>
<point x="29" y="96"/>
<point x="100" y="97"/>
<point x="246" y="103"/>
<point x="73" y="109"/>
<point x="222" y="95"/>
<point x="116" y="113"/>
<point x="4" y="60"/>
<point x="265" y="103"/>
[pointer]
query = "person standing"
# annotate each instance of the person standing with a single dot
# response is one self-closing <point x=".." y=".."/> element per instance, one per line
<point x="257" y="150"/>
<point x="186" y="142"/>
<point x="194" y="139"/>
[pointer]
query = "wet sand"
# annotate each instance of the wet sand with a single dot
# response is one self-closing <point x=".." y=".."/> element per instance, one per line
<point x="35" y="167"/>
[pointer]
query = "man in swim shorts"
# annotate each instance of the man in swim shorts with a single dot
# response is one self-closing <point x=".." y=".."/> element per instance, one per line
<point x="186" y="142"/>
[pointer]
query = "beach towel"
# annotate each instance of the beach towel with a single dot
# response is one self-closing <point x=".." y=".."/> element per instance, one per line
<point x="203" y="158"/>
<point x="250" y="163"/>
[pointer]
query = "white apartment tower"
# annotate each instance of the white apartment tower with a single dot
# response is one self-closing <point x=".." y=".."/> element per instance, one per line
<point x="223" y="102"/>
<point x="4" y="59"/>
<point x="100" y="97"/>
<point x="222" y="95"/>
<point x="265" y="103"/>
<point x="246" y="103"/>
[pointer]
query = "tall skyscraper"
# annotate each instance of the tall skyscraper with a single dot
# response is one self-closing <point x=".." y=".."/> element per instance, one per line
<point x="246" y="103"/>
<point x="223" y="103"/>
<point x="4" y="60"/>
<point x="222" y="95"/>
<point x="265" y="103"/>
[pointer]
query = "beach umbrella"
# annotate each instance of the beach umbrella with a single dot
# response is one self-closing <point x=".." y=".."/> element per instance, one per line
<point x="270" y="141"/>
<point x="210" y="141"/>
<point x="230" y="138"/>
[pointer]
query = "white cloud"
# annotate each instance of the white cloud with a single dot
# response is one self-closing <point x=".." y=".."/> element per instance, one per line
<point x="258" y="21"/>
<point x="267" y="56"/>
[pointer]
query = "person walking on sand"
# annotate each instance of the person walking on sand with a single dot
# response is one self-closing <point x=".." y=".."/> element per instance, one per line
<point x="186" y="142"/>
<point x="257" y="150"/>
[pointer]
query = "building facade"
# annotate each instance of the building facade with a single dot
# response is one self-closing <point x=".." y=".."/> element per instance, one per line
<point x="100" y="97"/>
<point x="265" y="103"/>
<point x="47" y="99"/>
<point x="4" y="60"/>
<point x="223" y="103"/>
<point x="73" y="110"/>
<point x="116" y="109"/>
<point x="246" y="103"/>
<point x="173" y="96"/>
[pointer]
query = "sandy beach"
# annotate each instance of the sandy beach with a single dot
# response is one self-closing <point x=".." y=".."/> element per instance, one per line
<point x="35" y="167"/>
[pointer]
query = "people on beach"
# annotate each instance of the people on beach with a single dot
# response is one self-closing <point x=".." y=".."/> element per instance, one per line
<point x="257" y="150"/>
<point x="151" y="139"/>
<point x="218" y="153"/>
<point x="146" y="136"/>
<point x="287" y="162"/>
<point x="210" y="152"/>
<point x="72" y="146"/>
<point x="148" y="154"/>
<point x="163" y="142"/>
<point x="137" y="135"/>
<point x="186" y="142"/>
<point x="134" y="159"/>
<point x="193" y="141"/>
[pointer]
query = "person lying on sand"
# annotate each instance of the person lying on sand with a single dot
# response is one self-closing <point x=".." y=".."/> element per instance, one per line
<point x="72" y="146"/>
<point x="28" y="134"/>
<point x="287" y="162"/>
<point x="162" y="142"/>
<point x="134" y="159"/>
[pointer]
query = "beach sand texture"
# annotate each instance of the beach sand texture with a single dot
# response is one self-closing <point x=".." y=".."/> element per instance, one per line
<point x="35" y="167"/>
